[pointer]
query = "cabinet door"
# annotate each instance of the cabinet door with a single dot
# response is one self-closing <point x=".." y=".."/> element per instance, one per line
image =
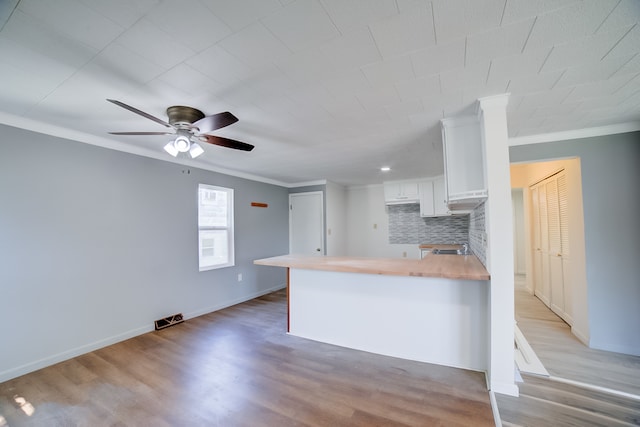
<point x="392" y="190"/>
<point x="410" y="190"/>
<point x="439" y="198"/>
<point x="464" y="158"/>
<point x="399" y="191"/>
<point x="426" y="199"/>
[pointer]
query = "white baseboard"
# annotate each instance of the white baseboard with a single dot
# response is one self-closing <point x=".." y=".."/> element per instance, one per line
<point x="623" y="349"/>
<point x="494" y="408"/>
<point x="510" y="389"/>
<point x="596" y="388"/>
<point x="69" y="354"/>
<point x="226" y="304"/>
<point x="526" y="358"/>
<point x="581" y="336"/>
<point x="87" y="348"/>
<point x="616" y="348"/>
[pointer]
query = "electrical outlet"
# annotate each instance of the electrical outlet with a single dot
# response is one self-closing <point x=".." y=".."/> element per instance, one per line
<point x="404" y="254"/>
<point x="375" y="226"/>
<point x="239" y="277"/>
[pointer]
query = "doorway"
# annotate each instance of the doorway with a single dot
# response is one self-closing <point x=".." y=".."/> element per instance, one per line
<point x="552" y="201"/>
<point x="306" y="223"/>
<point x="553" y="226"/>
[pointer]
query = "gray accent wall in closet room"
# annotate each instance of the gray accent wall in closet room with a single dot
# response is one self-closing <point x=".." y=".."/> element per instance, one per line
<point x="610" y="176"/>
<point x="406" y="226"/>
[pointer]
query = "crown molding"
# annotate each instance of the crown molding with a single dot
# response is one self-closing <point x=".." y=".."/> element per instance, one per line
<point x="576" y="134"/>
<point x="307" y="183"/>
<point x="65" y="133"/>
<point x="494" y="101"/>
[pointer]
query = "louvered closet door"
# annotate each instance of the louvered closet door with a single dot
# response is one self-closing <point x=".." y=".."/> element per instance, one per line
<point x="563" y="207"/>
<point x="550" y="239"/>
<point x="555" y="247"/>
<point x="538" y="279"/>
<point x="544" y="293"/>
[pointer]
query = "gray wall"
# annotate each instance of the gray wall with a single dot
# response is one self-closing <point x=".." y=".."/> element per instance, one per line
<point x="96" y="244"/>
<point x="610" y="168"/>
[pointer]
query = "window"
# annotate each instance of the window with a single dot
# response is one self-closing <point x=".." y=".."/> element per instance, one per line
<point x="215" y="227"/>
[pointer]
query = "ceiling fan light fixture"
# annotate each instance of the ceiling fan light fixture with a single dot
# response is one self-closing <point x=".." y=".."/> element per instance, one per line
<point x="189" y="124"/>
<point x="171" y="149"/>
<point x="195" y="150"/>
<point x="182" y="144"/>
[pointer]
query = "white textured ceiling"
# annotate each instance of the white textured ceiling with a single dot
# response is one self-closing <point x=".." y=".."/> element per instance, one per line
<point x="325" y="89"/>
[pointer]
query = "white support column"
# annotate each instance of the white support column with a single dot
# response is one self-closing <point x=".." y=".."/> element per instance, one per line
<point x="498" y="222"/>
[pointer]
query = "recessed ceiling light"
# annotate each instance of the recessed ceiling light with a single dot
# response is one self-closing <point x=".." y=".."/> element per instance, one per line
<point x="385" y="169"/>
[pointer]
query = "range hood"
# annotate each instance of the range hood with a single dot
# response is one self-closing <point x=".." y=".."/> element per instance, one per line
<point x="466" y="202"/>
<point x="402" y="202"/>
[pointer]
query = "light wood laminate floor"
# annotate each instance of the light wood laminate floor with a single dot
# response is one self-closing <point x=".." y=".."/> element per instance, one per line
<point x="563" y="355"/>
<point x="568" y="396"/>
<point x="238" y="367"/>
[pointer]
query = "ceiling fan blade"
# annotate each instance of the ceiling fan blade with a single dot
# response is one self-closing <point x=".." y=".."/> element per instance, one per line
<point x="141" y="133"/>
<point x="215" y="121"/>
<point x="225" y="142"/>
<point x="142" y="113"/>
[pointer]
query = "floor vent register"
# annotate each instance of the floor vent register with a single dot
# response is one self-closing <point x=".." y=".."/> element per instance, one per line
<point x="169" y="321"/>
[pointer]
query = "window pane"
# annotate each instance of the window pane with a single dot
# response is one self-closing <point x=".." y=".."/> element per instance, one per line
<point x="215" y="227"/>
<point x="213" y="209"/>
<point x="214" y="246"/>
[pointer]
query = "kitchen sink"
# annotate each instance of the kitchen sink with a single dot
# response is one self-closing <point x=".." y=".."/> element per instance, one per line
<point x="449" y="252"/>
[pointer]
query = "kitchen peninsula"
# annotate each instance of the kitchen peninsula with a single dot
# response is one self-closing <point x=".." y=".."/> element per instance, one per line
<point x="432" y="310"/>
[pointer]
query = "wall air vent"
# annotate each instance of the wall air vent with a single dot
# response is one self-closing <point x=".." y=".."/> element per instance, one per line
<point x="169" y="321"/>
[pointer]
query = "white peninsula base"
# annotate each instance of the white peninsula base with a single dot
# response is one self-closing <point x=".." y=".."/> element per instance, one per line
<point x="427" y="319"/>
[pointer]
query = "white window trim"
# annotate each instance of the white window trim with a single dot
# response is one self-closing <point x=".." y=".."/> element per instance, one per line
<point x="229" y="228"/>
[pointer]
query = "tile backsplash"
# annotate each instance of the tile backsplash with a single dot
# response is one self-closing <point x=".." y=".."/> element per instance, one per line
<point x="406" y="226"/>
<point x="477" y="233"/>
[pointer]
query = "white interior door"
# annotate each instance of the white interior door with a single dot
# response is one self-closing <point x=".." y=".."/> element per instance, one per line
<point x="306" y="225"/>
<point x="551" y="245"/>
<point x="537" y="242"/>
<point x="544" y="293"/>
<point x="555" y="249"/>
<point x="563" y="201"/>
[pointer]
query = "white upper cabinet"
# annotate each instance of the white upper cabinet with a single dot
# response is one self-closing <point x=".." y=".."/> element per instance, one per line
<point x="440" y="197"/>
<point x="397" y="192"/>
<point x="463" y="162"/>
<point x="426" y="199"/>
<point x="432" y="198"/>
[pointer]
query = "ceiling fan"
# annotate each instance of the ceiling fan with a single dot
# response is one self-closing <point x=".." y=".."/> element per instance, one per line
<point x="190" y="127"/>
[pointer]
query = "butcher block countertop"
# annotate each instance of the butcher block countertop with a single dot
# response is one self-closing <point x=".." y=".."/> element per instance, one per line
<point x="439" y="246"/>
<point x="466" y="267"/>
